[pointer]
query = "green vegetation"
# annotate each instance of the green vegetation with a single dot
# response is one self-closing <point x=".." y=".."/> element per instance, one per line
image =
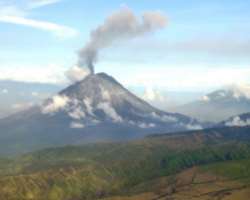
<point x="102" y="170"/>
<point x="239" y="169"/>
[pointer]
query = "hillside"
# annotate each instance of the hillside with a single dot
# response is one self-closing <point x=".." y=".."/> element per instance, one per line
<point x="105" y="170"/>
<point x="227" y="180"/>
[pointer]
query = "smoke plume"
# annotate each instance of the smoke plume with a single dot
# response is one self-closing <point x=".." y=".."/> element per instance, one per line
<point x="76" y="73"/>
<point x="121" y="25"/>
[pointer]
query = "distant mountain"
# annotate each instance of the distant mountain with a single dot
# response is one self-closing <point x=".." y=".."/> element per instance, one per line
<point x="16" y="95"/>
<point x="237" y="121"/>
<point x="97" y="108"/>
<point x="219" y="105"/>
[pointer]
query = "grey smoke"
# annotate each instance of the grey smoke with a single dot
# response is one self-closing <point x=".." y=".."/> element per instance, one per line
<point x="121" y="25"/>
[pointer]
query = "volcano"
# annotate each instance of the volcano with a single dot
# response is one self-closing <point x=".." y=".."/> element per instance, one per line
<point x="230" y="101"/>
<point x="96" y="109"/>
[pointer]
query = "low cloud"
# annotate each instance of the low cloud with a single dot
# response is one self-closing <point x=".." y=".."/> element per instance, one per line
<point x="194" y="127"/>
<point x="77" y="113"/>
<point x="205" y="98"/>
<point x="177" y="78"/>
<point x="52" y="73"/>
<point x="164" y="118"/>
<point x="21" y="106"/>
<point x="109" y="111"/>
<point x="237" y="121"/>
<point x="105" y="94"/>
<point x="151" y="94"/>
<point x="76" y="125"/>
<point x="55" y="104"/>
<point x="145" y="125"/>
<point x="240" y="90"/>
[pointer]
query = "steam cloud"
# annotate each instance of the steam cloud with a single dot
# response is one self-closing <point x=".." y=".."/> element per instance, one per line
<point x="121" y="25"/>
<point x="76" y="73"/>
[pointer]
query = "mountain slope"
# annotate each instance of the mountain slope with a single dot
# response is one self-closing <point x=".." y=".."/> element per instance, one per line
<point x="219" y="105"/>
<point x="154" y="164"/>
<point x="95" y="109"/>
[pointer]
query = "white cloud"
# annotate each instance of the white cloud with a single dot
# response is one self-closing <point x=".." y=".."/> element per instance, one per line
<point x="41" y="3"/>
<point x="18" y="13"/>
<point x="194" y="127"/>
<point x="88" y="103"/>
<point x="146" y="125"/>
<point x="205" y="98"/>
<point x="237" y="121"/>
<point x="164" y="118"/>
<point x="52" y="73"/>
<point x="76" y="125"/>
<point x="105" y="94"/>
<point x="157" y="97"/>
<point x="196" y="77"/>
<point x="240" y="90"/>
<point x="151" y="94"/>
<point x="21" y="106"/>
<point x="56" y="103"/>
<point x="77" y="73"/>
<point x="77" y="113"/>
<point x="171" y="78"/>
<point x="11" y="10"/>
<point x="109" y="111"/>
<point x="58" y="30"/>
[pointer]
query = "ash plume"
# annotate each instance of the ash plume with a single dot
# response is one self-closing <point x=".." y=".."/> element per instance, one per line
<point x="121" y="25"/>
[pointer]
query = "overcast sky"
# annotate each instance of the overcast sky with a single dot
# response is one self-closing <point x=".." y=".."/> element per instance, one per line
<point x="205" y="45"/>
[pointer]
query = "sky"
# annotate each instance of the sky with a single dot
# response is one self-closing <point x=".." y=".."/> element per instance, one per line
<point x="205" y="45"/>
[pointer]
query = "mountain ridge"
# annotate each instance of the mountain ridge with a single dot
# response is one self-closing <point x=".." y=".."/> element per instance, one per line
<point x="229" y="101"/>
